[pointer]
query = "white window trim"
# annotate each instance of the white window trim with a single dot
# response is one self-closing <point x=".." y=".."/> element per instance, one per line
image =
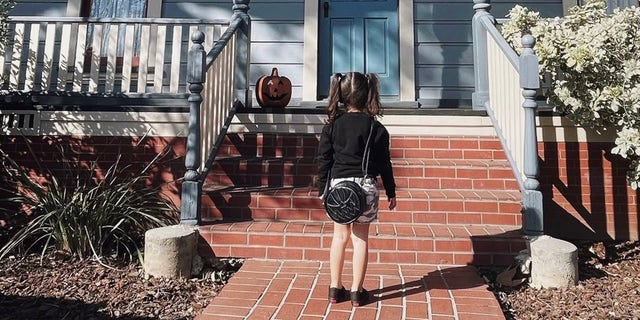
<point x="154" y="8"/>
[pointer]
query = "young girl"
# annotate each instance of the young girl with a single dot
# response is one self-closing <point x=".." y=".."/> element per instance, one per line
<point x="354" y="103"/>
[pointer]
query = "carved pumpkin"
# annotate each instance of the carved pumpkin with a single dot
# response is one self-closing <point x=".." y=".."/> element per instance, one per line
<point x="273" y="90"/>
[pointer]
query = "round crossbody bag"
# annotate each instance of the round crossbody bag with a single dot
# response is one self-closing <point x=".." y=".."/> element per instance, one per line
<point x="347" y="200"/>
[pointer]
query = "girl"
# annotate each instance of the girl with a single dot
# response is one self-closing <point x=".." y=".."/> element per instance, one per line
<point x="354" y="102"/>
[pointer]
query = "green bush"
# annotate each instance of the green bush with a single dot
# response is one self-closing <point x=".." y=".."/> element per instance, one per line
<point x="5" y="7"/>
<point x="593" y="62"/>
<point x="82" y="212"/>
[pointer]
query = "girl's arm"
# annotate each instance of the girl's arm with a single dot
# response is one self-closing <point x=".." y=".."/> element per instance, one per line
<point x="325" y="157"/>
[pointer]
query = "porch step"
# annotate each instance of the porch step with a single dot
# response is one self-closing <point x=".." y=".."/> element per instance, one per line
<point x="389" y="242"/>
<point x="458" y="201"/>
<point x="440" y="206"/>
<point x="487" y="174"/>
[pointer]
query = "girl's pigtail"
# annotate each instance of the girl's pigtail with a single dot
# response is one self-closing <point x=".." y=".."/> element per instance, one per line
<point x="373" y="100"/>
<point x="334" y="97"/>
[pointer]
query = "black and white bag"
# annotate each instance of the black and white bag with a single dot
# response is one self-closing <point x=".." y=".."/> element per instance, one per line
<point x="347" y="200"/>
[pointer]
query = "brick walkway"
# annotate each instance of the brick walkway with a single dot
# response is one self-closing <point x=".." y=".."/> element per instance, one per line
<point x="270" y="289"/>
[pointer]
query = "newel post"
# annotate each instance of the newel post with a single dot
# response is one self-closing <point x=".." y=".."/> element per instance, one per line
<point x="243" y="51"/>
<point x="532" y="219"/>
<point x="480" y="64"/>
<point x="191" y="192"/>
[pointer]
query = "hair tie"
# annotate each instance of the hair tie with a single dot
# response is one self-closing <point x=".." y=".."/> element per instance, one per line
<point x="340" y="97"/>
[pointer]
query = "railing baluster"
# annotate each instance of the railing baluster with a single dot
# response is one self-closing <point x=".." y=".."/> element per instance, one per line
<point x="158" y="69"/>
<point x="112" y="52"/>
<point x="81" y="49"/>
<point x="47" y="59"/>
<point x="176" y="52"/>
<point x="65" y="56"/>
<point x="127" y="58"/>
<point x="32" y="57"/>
<point x="16" y="57"/>
<point x="144" y="58"/>
<point x="96" y="53"/>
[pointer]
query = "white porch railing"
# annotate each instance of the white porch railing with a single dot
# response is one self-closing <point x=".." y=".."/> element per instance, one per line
<point x="505" y="86"/>
<point x="100" y="56"/>
<point x="218" y="86"/>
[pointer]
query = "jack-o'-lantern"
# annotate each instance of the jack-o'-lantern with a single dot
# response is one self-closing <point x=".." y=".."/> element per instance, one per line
<point x="273" y="90"/>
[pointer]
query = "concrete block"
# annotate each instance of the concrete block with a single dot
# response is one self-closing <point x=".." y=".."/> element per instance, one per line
<point x="554" y="263"/>
<point x="168" y="251"/>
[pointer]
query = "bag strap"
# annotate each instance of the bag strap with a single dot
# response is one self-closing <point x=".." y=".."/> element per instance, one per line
<point x="367" y="151"/>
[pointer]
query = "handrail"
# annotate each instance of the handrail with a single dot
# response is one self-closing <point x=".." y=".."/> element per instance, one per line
<point x="218" y="82"/>
<point x="506" y="86"/>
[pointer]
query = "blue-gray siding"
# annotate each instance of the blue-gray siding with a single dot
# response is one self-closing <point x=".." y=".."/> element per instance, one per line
<point x="444" y="53"/>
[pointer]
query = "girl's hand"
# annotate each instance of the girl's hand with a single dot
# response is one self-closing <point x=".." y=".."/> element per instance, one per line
<point x="392" y="203"/>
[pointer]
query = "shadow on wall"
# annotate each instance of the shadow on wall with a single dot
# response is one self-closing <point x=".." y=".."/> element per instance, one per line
<point x="250" y="162"/>
<point x="586" y="194"/>
<point x="41" y="155"/>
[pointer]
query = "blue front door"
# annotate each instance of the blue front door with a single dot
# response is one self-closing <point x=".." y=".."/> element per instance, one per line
<point x="359" y="36"/>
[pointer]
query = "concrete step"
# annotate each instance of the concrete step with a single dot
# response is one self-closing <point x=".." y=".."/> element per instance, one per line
<point x="396" y="242"/>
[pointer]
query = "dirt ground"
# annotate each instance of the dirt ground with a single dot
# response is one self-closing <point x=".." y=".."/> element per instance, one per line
<point x="63" y="288"/>
<point x="608" y="288"/>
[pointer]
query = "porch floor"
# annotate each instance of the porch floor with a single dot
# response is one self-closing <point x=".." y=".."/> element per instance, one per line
<point x="276" y="289"/>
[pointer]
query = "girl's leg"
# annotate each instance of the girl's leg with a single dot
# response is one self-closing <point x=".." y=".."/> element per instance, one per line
<point x="359" y="239"/>
<point x="336" y="256"/>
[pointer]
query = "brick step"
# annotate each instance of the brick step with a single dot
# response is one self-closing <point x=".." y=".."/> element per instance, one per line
<point x="440" y="206"/>
<point x="409" y="173"/>
<point x="305" y="145"/>
<point x="389" y="242"/>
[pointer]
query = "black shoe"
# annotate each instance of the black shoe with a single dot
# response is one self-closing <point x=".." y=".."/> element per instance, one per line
<point x="359" y="298"/>
<point x="338" y="295"/>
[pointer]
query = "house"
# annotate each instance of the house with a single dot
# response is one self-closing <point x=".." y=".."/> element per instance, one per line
<point x="472" y="180"/>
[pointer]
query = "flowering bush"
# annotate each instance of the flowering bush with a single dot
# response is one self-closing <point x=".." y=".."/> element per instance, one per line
<point x="593" y="62"/>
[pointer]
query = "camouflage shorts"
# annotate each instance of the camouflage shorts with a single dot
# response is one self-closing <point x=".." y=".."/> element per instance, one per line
<point x="371" y="190"/>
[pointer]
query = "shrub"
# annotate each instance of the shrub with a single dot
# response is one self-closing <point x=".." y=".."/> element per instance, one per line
<point x="5" y="7"/>
<point x="83" y="213"/>
<point x="593" y="62"/>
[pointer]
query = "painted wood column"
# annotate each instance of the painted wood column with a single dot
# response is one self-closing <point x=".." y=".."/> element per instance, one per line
<point x="532" y="214"/>
<point x="243" y="51"/>
<point x="191" y="191"/>
<point x="480" y="66"/>
<point x="406" y="50"/>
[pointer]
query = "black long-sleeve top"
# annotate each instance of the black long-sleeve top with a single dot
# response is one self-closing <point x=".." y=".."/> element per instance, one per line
<point x="342" y="146"/>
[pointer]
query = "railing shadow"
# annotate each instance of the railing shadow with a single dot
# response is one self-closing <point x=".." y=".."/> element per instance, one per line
<point x="586" y="191"/>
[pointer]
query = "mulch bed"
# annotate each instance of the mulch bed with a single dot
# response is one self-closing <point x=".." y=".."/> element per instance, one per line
<point x="608" y="288"/>
<point x="64" y="288"/>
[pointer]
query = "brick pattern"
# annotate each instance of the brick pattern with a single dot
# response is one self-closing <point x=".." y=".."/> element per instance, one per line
<point x="134" y="153"/>
<point x="389" y="242"/>
<point x="268" y="289"/>
<point x="586" y="193"/>
<point x="446" y="185"/>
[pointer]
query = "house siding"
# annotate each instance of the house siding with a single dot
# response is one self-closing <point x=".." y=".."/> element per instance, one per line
<point x="444" y="48"/>
<point x="276" y="35"/>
